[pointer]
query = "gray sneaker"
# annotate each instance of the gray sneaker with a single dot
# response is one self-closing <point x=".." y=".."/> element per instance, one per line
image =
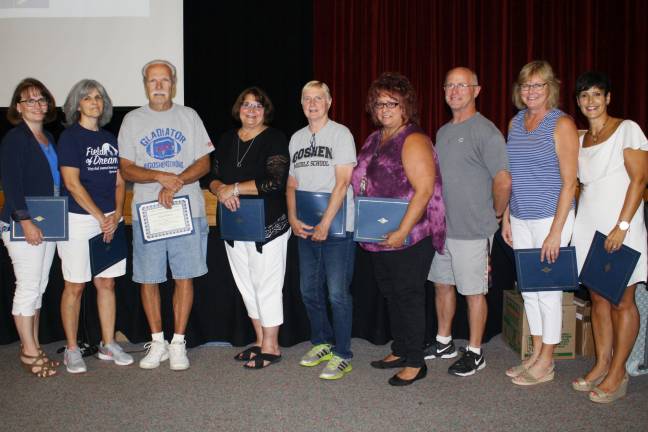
<point x="73" y="361"/>
<point x="316" y="355"/>
<point x="115" y="353"/>
<point x="336" y="368"/>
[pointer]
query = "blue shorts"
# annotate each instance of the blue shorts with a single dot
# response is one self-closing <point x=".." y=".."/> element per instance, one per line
<point x="187" y="255"/>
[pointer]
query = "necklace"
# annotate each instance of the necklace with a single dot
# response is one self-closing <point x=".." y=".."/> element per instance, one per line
<point x="386" y="137"/>
<point x="238" y="145"/>
<point x="596" y="137"/>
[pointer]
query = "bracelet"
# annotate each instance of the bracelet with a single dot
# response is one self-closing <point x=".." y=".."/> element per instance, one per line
<point x="236" y="191"/>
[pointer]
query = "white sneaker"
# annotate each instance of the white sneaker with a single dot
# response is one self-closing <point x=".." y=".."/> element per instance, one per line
<point x="157" y="352"/>
<point x="178" y="356"/>
<point x="73" y="361"/>
<point x="115" y="353"/>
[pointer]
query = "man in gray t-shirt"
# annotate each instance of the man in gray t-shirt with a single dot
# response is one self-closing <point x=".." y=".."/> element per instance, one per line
<point x="476" y="190"/>
<point x="164" y="150"/>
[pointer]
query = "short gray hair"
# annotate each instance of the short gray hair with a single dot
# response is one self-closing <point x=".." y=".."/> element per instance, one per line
<point x="78" y="92"/>
<point x="160" y="62"/>
<point x="318" y="85"/>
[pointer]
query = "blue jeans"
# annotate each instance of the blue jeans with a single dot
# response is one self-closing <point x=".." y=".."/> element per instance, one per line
<point x="328" y="264"/>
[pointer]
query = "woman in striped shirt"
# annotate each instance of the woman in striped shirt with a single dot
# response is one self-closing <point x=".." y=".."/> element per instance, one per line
<point x="543" y="156"/>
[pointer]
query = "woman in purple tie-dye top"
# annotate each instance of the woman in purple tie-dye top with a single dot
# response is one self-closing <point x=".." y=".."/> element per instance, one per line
<point x="398" y="161"/>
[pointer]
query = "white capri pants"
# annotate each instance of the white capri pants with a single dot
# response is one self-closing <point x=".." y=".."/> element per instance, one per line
<point x="543" y="308"/>
<point x="31" y="265"/>
<point x="260" y="277"/>
<point x="75" y="253"/>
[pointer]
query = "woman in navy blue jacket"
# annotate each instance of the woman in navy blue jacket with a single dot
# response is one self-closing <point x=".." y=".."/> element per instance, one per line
<point x="29" y="167"/>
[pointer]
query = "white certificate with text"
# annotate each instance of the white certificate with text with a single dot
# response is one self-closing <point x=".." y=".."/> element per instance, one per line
<point x="159" y="223"/>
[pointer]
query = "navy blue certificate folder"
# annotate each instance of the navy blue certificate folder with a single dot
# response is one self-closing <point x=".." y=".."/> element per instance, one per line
<point x="606" y="273"/>
<point x="376" y="217"/>
<point x="311" y="207"/>
<point x="49" y="213"/>
<point x="245" y="224"/>
<point x="104" y="255"/>
<point x="534" y="275"/>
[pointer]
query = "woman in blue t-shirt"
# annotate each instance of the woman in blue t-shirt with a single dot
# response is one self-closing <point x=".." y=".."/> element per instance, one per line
<point x="28" y="167"/>
<point x="89" y="163"/>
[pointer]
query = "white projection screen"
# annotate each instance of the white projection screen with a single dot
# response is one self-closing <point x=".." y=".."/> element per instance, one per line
<point x="62" y="41"/>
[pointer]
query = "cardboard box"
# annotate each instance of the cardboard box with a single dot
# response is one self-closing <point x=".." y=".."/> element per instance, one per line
<point x="515" y="328"/>
<point x="584" y="334"/>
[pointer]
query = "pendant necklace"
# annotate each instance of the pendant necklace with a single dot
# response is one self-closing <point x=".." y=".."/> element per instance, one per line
<point x="238" y="145"/>
<point x="595" y="137"/>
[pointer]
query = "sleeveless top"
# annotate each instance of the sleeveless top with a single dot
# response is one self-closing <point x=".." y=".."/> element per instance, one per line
<point x="534" y="166"/>
<point x="385" y="177"/>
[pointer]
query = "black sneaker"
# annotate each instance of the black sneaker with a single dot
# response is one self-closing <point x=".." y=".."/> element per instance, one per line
<point x="440" y="350"/>
<point x="468" y="364"/>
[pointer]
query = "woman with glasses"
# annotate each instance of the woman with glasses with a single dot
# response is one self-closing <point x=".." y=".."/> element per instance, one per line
<point x="29" y="167"/>
<point x="613" y="168"/>
<point x="543" y="153"/>
<point x="252" y="162"/>
<point x="89" y="162"/>
<point x="398" y="161"/>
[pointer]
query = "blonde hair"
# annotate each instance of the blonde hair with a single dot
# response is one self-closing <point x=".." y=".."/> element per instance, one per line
<point x="318" y="85"/>
<point x="543" y="70"/>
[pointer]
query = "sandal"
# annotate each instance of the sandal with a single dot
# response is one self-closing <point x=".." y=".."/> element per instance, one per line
<point x="514" y="371"/>
<point x="246" y="355"/>
<point x="39" y="365"/>
<point x="599" y="396"/>
<point x="53" y="363"/>
<point x="526" y="379"/>
<point x="261" y="359"/>
<point x="581" y="384"/>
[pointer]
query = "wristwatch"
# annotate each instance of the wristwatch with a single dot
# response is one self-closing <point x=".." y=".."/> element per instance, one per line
<point x="623" y="225"/>
<point x="236" y="191"/>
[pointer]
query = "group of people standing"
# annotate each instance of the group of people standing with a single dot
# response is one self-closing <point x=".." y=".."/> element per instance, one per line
<point x="526" y="183"/>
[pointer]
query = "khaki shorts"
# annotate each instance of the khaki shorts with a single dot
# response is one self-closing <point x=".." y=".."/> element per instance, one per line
<point x="464" y="263"/>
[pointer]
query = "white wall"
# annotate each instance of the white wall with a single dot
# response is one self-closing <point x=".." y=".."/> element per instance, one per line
<point x="62" y="41"/>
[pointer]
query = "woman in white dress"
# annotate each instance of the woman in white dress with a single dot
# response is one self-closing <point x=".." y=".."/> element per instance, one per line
<point x="613" y="170"/>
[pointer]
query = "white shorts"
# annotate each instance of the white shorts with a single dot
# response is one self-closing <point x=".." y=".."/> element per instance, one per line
<point x="75" y="253"/>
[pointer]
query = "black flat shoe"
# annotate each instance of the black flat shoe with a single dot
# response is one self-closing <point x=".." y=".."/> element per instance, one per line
<point x="382" y="364"/>
<point x="399" y="382"/>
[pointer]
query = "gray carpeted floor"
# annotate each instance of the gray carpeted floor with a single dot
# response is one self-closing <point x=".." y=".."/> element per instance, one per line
<point x="217" y="394"/>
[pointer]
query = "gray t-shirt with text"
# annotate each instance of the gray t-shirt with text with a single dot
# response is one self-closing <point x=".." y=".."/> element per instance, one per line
<point x="470" y="154"/>
<point x="313" y="160"/>
<point x="169" y="141"/>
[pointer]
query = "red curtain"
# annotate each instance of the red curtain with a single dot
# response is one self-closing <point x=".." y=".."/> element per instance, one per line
<point x="356" y="40"/>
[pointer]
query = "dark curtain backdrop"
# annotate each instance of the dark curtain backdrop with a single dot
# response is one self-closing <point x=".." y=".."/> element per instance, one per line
<point x="356" y="40"/>
<point x="229" y="46"/>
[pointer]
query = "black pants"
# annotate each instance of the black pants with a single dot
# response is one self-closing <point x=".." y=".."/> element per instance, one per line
<point x="401" y="277"/>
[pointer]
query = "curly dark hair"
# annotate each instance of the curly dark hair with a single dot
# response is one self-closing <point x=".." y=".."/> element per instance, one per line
<point x="261" y="97"/>
<point x="14" y="116"/>
<point x="398" y="87"/>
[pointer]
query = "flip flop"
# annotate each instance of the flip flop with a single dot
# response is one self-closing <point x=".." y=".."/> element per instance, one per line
<point x="246" y="355"/>
<point x="261" y="359"/>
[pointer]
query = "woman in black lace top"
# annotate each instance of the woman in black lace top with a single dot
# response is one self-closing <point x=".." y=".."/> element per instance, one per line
<point x="252" y="162"/>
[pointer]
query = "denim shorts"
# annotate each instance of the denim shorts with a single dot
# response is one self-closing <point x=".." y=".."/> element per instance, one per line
<point x="187" y="255"/>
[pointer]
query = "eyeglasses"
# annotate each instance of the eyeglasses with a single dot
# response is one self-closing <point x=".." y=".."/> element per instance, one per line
<point x="252" y="106"/>
<point x="458" y="86"/>
<point x="32" y="102"/>
<point x="529" y="87"/>
<point x="382" y="105"/>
